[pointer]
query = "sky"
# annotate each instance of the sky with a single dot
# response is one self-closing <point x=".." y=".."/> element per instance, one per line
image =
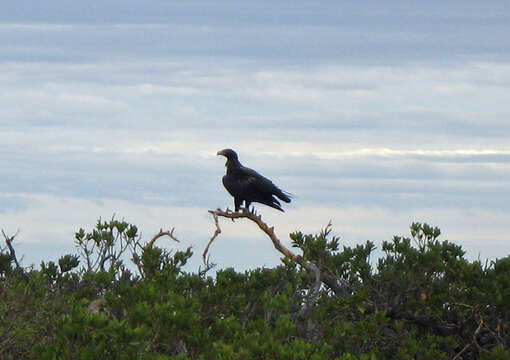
<point x="373" y="114"/>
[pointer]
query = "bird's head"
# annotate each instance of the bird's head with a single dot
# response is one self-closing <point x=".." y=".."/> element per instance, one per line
<point x="229" y="154"/>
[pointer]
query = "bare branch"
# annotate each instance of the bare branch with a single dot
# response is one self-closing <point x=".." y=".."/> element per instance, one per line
<point x="314" y="290"/>
<point x="103" y="261"/>
<point x="208" y="267"/>
<point x="262" y="225"/>
<point x="216" y="233"/>
<point x="331" y="282"/>
<point x="161" y="233"/>
<point x="8" y="241"/>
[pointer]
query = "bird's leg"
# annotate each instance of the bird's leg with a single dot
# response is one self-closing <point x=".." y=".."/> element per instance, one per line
<point x="247" y="205"/>
<point x="237" y="204"/>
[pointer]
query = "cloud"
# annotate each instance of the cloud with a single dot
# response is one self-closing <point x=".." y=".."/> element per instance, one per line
<point x="12" y="203"/>
<point x="251" y="32"/>
<point x="337" y="104"/>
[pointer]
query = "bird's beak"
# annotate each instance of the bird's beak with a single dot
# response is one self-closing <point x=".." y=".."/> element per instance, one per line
<point x="220" y="152"/>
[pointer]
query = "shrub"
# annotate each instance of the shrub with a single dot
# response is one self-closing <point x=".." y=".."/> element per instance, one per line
<point x="422" y="299"/>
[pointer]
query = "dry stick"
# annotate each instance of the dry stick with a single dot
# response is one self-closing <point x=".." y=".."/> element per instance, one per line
<point x="8" y="241"/>
<point x="256" y="219"/>
<point x="161" y="233"/>
<point x="216" y="233"/>
<point x="246" y="214"/>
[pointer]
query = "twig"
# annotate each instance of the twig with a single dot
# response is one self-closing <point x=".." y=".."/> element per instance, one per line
<point x="208" y="267"/>
<point x="161" y="233"/>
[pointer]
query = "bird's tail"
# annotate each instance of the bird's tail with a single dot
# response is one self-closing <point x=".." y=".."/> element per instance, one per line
<point x="284" y="196"/>
<point x="271" y="201"/>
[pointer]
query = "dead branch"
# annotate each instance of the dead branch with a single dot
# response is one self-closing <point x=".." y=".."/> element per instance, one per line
<point x="261" y="224"/>
<point x="331" y="282"/>
<point x="208" y="267"/>
<point x="8" y="241"/>
<point x="216" y="233"/>
<point x="161" y="233"/>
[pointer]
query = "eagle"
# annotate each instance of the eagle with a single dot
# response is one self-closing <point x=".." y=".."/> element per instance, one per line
<point x="246" y="185"/>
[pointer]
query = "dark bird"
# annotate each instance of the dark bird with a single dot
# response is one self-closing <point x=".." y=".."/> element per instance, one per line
<point x="247" y="185"/>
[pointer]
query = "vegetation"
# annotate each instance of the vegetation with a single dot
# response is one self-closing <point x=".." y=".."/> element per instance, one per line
<point x="119" y="299"/>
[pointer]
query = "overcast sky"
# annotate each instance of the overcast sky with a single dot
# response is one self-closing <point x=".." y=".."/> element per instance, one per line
<point x="373" y="114"/>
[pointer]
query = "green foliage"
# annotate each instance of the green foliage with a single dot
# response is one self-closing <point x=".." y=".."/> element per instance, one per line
<point x="5" y="263"/>
<point x="420" y="300"/>
<point x="106" y="244"/>
<point x="68" y="262"/>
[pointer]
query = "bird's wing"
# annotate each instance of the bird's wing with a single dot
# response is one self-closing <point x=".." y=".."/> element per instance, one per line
<point x="263" y="185"/>
<point x="239" y="181"/>
<point x="252" y="179"/>
<point x="248" y="183"/>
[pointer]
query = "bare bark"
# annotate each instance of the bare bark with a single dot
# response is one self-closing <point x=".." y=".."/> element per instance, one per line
<point x="161" y="233"/>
